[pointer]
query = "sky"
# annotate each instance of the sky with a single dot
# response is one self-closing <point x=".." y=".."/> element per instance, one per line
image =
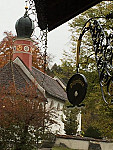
<point x="58" y="39"/>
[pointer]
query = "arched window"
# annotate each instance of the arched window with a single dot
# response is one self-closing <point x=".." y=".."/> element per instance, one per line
<point x="58" y="106"/>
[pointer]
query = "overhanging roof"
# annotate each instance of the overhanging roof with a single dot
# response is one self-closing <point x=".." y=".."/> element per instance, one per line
<point x="53" y="13"/>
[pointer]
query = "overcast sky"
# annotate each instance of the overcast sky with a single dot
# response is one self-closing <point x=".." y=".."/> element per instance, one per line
<point x="58" y="39"/>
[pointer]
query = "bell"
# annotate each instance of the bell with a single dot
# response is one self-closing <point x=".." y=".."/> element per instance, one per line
<point x="76" y="89"/>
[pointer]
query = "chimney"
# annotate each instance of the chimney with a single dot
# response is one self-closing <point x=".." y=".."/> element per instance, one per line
<point x="23" y="43"/>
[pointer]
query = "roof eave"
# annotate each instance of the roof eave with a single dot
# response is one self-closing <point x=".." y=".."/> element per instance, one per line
<point x="54" y="13"/>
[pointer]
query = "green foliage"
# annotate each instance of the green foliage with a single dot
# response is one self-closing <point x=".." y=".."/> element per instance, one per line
<point x="105" y="120"/>
<point x="63" y="71"/>
<point x="48" y="140"/>
<point x="93" y="132"/>
<point x="56" y="70"/>
<point x="70" y="121"/>
<point x="96" y="113"/>
<point x="87" y="58"/>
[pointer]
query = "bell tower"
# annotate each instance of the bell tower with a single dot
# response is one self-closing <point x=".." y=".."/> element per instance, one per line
<point x="23" y="43"/>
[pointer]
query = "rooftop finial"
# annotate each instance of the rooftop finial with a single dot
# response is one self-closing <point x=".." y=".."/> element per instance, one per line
<point x="26" y="12"/>
<point x="26" y="7"/>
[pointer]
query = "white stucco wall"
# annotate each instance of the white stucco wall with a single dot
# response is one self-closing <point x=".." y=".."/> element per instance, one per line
<point x="58" y="107"/>
<point x="60" y="126"/>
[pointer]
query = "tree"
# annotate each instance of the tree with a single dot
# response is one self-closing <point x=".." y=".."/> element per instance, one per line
<point x="54" y="71"/>
<point x="93" y="132"/>
<point x="87" y="58"/>
<point x="70" y="120"/>
<point x="93" y="114"/>
<point x="63" y="71"/>
<point x="6" y="48"/>
<point x="24" y="117"/>
<point x="106" y="120"/>
<point x="6" y="52"/>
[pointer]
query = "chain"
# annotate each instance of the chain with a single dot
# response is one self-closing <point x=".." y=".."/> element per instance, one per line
<point x="41" y="39"/>
<point x="39" y="36"/>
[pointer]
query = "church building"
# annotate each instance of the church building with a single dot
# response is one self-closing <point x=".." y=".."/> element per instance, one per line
<point x="21" y="72"/>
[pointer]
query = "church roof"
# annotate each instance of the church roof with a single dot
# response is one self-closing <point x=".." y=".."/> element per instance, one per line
<point x="50" y="85"/>
<point x="13" y="73"/>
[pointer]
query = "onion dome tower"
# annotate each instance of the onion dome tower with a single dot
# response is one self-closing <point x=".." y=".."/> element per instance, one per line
<point x="23" y="43"/>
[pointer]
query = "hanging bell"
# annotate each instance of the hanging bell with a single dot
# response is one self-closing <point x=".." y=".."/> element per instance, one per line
<point x="76" y="89"/>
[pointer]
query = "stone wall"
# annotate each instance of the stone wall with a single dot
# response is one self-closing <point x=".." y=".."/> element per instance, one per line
<point x="82" y="143"/>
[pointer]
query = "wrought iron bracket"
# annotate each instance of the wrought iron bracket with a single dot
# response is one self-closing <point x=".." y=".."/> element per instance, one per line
<point x="102" y="45"/>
